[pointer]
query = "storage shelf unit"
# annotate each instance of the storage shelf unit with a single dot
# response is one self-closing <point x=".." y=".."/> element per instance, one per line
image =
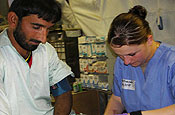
<point x="94" y="56"/>
<point x="55" y="38"/>
<point x="89" y="57"/>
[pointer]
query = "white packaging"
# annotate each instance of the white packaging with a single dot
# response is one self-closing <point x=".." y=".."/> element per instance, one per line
<point x="81" y="65"/>
<point x="82" y="40"/>
<point x="90" y="39"/>
<point x="96" y="79"/>
<point x="91" y="81"/>
<point x="88" y="50"/>
<point x="100" y="39"/>
<point x="97" y="49"/>
<point x="73" y="32"/>
<point x="87" y="81"/>
<point x="93" y="50"/>
<point x="80" y="48"/>
<point x="102" y="49"/>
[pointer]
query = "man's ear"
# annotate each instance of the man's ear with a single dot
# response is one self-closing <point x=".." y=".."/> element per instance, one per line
<point x="150" y="40"/>
<point x="12" y="19"/>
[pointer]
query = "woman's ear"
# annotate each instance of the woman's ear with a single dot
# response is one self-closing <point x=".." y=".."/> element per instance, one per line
<point x="150" y="40"/>
<point x="12" y="19"/>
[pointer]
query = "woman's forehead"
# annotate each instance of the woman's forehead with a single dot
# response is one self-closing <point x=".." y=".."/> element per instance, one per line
<point x="127" y="49"/>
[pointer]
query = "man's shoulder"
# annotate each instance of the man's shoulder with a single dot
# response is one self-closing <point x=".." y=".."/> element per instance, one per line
<point x="4" y="40"/>
<point x="46" y="46"/>
<point x="46" y="49"/>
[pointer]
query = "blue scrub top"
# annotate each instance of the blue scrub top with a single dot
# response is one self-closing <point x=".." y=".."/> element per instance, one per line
<point x="152" y="90"/>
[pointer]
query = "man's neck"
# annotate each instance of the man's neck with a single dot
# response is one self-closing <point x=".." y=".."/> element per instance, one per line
<point x="24" y="53"/>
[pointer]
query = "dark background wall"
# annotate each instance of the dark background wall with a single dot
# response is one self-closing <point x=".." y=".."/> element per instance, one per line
<point x="3" y="7"/>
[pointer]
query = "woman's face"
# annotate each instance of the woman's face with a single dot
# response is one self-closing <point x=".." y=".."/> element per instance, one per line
<point x="134" y="55"/>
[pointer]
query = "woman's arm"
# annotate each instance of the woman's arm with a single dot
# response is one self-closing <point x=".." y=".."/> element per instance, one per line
<point x="114" y="106"/>
<point x="169" y="110"/>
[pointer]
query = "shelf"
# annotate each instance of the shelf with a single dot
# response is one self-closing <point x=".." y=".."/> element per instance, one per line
<point x="60" y="52"/>
<point x="2" y="27"/>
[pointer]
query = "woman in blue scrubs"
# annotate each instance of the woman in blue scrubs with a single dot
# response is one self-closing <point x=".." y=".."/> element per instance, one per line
<point x="144" y="71"/>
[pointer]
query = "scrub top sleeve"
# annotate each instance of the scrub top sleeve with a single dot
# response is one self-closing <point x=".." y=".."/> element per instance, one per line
<point x="116" y="89"/>
<point x="117" y="78"/>
<point x="172" y="78"/>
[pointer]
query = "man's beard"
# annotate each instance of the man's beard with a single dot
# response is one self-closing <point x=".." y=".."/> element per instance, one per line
<point x="20" y="38"/>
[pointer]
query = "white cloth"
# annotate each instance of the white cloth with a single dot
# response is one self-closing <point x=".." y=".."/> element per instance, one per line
<point x="95" y="16"/>
<point x="10" y="2"/>
<point x="25" y="90"/>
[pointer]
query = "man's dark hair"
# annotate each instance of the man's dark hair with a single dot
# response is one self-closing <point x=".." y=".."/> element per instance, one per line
<point x="49" y="10"/>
